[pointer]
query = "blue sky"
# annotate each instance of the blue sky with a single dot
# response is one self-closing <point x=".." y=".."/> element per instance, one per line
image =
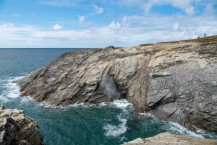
<point x="99" y="23"/>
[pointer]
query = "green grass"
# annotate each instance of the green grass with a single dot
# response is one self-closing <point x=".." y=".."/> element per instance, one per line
<point x="146" y="44"/>
<point x="209" y="39"/>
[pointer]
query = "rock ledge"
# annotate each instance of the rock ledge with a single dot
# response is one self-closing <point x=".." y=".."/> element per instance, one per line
<point x="170" y="139"/>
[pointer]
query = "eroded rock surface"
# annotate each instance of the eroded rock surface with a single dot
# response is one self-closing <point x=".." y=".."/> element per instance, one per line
<point x="170" y="139"/>
<point x="173" y="81"/>
<point x="17" y="129"/>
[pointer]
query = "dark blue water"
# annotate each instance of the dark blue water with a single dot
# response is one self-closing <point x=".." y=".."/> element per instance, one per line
<point x="105" y="124"/>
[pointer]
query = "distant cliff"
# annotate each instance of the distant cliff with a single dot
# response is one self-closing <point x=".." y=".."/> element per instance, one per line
<point x="18" y="129"/>
<point x="175" y="81"/>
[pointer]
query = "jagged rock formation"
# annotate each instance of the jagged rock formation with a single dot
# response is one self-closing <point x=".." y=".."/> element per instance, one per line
<point x="170" y="139"/>
<point x="174" y="81"/>
<point x="17" y="129"/>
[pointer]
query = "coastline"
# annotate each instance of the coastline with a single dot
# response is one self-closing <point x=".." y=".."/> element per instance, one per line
<point x="150" y="77"/>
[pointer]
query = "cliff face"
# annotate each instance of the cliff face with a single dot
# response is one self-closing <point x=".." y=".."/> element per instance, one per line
<point x="170" y="139"/>
<point x="17" y="129"/>
<point x="174" y="81"/>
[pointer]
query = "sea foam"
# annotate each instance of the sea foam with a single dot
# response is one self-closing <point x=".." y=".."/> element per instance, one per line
<point x="117" y="130"/>
<point x="122" y="104"/>
<point x="175" y="127"/>
<point x="114" y="131"/>
<point x="11" y="90"/>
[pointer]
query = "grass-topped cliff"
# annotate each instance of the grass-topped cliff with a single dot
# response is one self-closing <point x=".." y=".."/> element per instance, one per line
<point x="209" y="39"/>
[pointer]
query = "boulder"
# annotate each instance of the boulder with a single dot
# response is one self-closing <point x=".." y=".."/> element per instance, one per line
<point x="18" y="129"/>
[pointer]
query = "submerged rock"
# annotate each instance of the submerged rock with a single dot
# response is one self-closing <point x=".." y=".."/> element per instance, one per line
<point x="174" y="81"/>
<point x="170" y="139"/>
<point x="17" y="129"/>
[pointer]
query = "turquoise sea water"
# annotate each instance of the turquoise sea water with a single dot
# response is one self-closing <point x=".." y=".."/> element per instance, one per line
<point x="80" y="124"/>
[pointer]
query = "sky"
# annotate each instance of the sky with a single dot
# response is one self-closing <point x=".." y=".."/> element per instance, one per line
<point x="101" y="23"/>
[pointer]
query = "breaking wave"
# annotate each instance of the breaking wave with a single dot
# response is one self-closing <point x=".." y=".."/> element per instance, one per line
<point x="112" y="130"/>
<point x="10" y="89"/>
<point x="175" y="127"/>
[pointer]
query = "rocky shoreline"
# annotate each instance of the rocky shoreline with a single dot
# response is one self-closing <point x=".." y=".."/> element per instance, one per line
<point x="18" y="129"/>
<point x="173" y="81"/>
<point x="170" y="139"/>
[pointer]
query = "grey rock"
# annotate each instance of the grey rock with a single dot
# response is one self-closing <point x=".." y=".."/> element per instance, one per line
<point x="173" y="81"/>
<point x="214" y="97"/>
<point x="110" y="47"/>
<point x="17" y="129"/>
<point x="170" y="139"/>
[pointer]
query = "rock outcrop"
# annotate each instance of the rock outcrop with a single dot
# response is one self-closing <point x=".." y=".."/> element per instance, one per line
<point x="170" y="139"/>
<point x="17" y="129"/>
<point x="174" y="81"/>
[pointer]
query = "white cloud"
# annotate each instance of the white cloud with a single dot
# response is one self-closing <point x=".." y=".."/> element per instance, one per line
<point x="98" y="10"/>
<point x="115" y="26"/>
<point x="63" y="34"/>
<point x="147" y="7"/>
<point x="209" y="9"/>
<point x="175" y="26"/>
<point x="19" y="35"/>
<point x="81" y="19"/>
<point x="131" y="30"/>
<point x="57" y="27"/>
<point x="185" y="5"/>
<point x="190" y="10"/>
<point x="130" y="3"/>
<point x="58" y="2"/>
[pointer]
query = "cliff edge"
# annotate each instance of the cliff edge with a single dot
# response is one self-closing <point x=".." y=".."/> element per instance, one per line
<point x="175" y="81"/>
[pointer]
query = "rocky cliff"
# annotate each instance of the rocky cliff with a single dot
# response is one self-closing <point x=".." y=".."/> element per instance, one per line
<point x="17" y="129"/>
<point x="170" y="139"/>
<point x="175" y="81"/>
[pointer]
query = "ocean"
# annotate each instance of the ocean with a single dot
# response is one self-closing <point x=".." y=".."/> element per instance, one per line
<point x="78" y="124"/>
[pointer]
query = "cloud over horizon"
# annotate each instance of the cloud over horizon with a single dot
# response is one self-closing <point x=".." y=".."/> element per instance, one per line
<point x="129" y="27"/>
